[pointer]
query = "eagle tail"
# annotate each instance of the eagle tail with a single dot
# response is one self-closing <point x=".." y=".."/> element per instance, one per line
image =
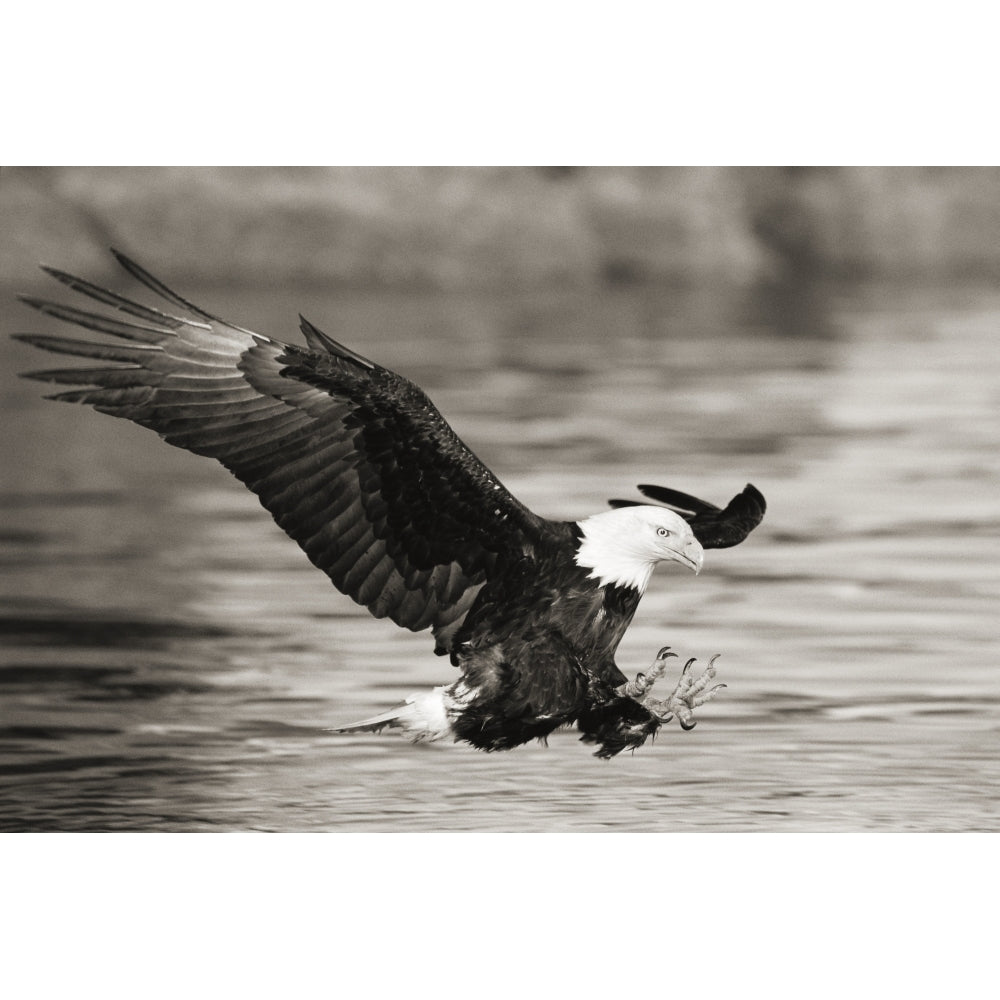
<point x="422" y="717"/>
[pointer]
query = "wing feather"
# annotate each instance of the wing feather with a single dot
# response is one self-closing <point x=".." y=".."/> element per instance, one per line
<point x="353" y="461"/>
<point x="106" y="352"/>
<point x="715" y="528"/>
<point x="147" y="313"/>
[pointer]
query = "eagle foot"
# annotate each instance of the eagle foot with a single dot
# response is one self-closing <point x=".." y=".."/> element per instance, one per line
<point x="687" y="696"/>
<point x="643" y="682"/>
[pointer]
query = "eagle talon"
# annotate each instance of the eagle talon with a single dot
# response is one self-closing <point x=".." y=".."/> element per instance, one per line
<point x="639" y="687"/>
<point x="687" y="696"/>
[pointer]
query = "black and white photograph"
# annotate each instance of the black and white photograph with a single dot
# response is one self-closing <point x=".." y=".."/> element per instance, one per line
<point x="436" y="432"/>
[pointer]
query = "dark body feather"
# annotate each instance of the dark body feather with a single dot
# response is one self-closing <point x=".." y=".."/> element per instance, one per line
<point x="539" y="645"/>
<point x="356" y="464"/>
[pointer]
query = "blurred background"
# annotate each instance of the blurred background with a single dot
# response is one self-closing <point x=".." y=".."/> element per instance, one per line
<point x="171" y="661"/>
<point x="461" y="229"/>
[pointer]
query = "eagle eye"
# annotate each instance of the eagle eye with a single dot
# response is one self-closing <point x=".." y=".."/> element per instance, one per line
<point x="663" y="533"/>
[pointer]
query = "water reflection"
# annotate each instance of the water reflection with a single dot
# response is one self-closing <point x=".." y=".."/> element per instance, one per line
<point x="171" y="661"/>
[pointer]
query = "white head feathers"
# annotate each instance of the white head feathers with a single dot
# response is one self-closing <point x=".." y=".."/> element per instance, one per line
<point x="622" y="546"/>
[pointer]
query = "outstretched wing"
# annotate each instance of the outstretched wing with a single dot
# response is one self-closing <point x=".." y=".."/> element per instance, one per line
<point x="714" y="528"/>
<point x="352" y="460"/>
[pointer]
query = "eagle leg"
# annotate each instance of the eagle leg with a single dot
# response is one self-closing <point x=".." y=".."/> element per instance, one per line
<point x="687" y="696"/>
<point x="643" y="682"/>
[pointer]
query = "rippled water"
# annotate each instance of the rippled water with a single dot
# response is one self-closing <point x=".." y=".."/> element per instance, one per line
<point x="170" y="661"/>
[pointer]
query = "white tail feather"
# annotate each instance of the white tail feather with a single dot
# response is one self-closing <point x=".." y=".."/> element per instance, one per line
<point x="422" y="717"/>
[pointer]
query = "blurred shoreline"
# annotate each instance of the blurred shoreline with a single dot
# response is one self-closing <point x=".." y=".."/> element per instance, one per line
<point x="476" y="229"/>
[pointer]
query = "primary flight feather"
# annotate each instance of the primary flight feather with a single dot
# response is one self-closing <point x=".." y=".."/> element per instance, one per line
<point x="356" y="464"/>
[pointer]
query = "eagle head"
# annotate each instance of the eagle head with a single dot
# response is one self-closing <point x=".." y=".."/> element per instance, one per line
<point x="622" y="546"/>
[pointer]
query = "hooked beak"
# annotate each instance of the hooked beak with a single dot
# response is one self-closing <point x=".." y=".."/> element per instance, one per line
<point x="692" y="555"/>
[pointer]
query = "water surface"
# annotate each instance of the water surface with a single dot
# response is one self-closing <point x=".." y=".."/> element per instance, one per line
<point x="170" y="661"/>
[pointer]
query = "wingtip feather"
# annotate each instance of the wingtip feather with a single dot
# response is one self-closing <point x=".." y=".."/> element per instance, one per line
<point x="752" y="493"/>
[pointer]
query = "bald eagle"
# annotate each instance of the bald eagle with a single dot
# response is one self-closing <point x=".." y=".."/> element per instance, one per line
<point x="356" y="464"/>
